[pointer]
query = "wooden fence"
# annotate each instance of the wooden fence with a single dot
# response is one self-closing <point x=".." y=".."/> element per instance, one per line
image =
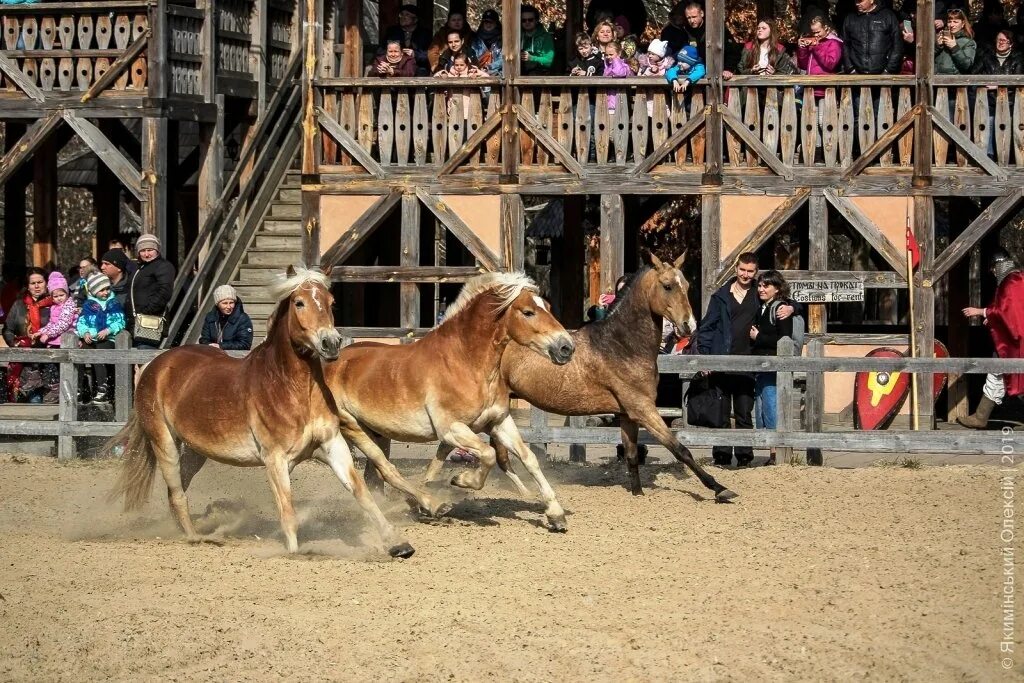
<point x="790" y="435"/>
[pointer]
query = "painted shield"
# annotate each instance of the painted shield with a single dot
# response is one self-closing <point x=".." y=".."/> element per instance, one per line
<point x="939" y="378"/>
<point x="878" y="396"/>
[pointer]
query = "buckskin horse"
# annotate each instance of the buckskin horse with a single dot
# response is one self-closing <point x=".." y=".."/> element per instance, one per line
<point x="270" y="408"/>
<point x="448" y="386"/>
<point x="615" y="370"/>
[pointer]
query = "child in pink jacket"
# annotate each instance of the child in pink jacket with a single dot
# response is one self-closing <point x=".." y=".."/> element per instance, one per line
<point x="820" y="53"/>
<point x="615" y="67"/>
<point x="63" y="312"/>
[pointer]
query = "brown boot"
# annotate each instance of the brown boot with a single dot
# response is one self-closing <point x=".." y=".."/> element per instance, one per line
<point x="979" y="420"/>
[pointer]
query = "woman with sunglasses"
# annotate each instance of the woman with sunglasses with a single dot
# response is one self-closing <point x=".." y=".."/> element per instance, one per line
<point x="954" y="46"/>
<point x="768" y="329"/>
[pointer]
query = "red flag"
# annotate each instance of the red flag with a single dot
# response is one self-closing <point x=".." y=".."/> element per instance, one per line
<point x="913" y="249"/>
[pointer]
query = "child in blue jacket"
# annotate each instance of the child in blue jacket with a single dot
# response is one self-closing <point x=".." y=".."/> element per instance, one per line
<point x="101" y="320"/>
<point x="687" y="70"/>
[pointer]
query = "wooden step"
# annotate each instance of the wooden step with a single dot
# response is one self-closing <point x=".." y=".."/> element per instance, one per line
<point x="290" y="195"/>
<point x="252" y="292"/>
<point x="278" y="241"/>
<point x="286" y="210"/>
<point x="288" y="226"/>
<point x="255" y="274"/>
<point x="259" y="312"/>
<point x="273" y="257"/>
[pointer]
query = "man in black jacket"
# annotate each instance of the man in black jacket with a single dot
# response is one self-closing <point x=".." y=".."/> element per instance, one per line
<point x="872" y="40"/>
<point x="686" y="27"/>
<point x="151" y="287"/>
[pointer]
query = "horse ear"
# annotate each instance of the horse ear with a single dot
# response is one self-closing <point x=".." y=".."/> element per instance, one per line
<point x="656" y="262"/>
<point x="291" y="271"/>
<point x="678" y="263"/>
<point x="326" y="270"/>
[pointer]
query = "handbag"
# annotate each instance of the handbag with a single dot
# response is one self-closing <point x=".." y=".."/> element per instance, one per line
<point x="705" y="404"/>
<point x="146" y="327"/>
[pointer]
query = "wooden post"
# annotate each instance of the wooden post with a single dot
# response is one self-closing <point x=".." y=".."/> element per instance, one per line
<point x="154" y="173"/>
<point x="711" y="235"/>
<point x="785" y="394"/>
<point x="814" y="405"/>
<point x="67" y="400"/>
<point x="510" y="29"/>
<point x="612" y="241"/>
<point x="158" y="76"/>
<point x="570" y="255"/>
<point x="409" y="304"/>
<point x="513" y="232"/>
<point x="310" y="127"/>
<point x="106" y="197"/>
<point x="577" y="451"/>
<point x="311" y="228"/>
<point x="208" y="67"/>
<point x="925" y="61"/>
<point x="124" y="381"/>
<point x="258" y="49"/>
<point x="817" y="257"/>
<point x="211" y="170"/>
<point x="15" y="246"/>
<point x="574" y="23"/>
<point x="714" y="20"/>
<point x="924" y="303"/>
<point x="172" y="184"/>
<point x="915" y="407"/>
<point x="44" y="204"/>
<point x="538" y="423"/>
<point x="352" y="56"/>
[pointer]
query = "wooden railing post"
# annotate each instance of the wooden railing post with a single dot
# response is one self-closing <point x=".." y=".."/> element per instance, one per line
<point x="539" y="425"/>
<point x="785" y="393"/>
<point x="577" y="451"/>
<point x="510" y="72"/>
<point x="124" y="380"/>
<point x="814" y="404"/>
<point x="715" y="36"/>
<point x="67" y="400"/>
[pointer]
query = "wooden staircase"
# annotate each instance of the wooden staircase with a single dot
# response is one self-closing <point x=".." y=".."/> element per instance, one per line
<point x="278" y="244"/>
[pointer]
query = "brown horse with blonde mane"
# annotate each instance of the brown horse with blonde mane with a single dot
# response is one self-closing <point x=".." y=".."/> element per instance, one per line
<point x="448" y="386"/>
<point x="271" y="408"/>
<point x="615" y="370"/>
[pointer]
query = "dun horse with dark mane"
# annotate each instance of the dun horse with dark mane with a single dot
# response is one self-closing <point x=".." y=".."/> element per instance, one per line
<point x="447" y="385"/>
<point x="270" y="408"/>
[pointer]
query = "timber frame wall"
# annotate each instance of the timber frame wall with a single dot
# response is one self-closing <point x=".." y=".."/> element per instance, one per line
<point x="409" y="142"/>
<point x="88" y="68"/>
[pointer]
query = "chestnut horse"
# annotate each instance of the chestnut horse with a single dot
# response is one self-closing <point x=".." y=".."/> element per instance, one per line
<point x="447" y="385"/>
<point x="615" y="369"/>
<point x="270" y="408"/>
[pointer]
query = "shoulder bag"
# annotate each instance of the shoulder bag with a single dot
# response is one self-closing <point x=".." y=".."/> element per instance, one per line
<point x="146" y="327"/>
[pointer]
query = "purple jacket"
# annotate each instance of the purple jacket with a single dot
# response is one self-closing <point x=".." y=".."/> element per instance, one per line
<point x="617" y="68"/>
<point x="822" y="59"/>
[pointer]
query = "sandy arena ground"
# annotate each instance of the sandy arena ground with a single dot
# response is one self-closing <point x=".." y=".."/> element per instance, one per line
<point x="877" y="573"/>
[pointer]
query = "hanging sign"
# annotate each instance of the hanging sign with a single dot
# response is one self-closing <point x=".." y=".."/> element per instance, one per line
<point x="826" y="291"/>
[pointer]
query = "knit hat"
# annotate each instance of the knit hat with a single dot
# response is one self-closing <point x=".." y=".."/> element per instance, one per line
<point x="116" y="258"/>
<point x="224" y="292"/>
<point x="147" y="241"/>
<point x="688" y="55"/>
<point x="411" y="9"/>
<point x="490" y="14"/>
<point x="658" y="47"/>
<point x="56" y="281"/>
<point x="622" y="22"/>
<point x="96" y="283"/>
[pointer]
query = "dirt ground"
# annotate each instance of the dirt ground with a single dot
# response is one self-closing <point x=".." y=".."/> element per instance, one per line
<point x="817" y="573"/>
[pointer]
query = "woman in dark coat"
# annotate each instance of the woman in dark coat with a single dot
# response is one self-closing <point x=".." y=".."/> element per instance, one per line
<point x="227" y="326"/>
<point x="765" y="334"/>
<point x="29" y="313"/>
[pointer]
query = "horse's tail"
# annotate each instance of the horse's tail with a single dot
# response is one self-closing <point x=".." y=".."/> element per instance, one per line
<point x="136" y="477"/>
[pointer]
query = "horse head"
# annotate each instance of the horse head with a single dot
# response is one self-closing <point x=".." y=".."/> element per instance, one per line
<point x="304" y="313"/>
<point x="531" y="324"/>
<point x="669" y="295"/>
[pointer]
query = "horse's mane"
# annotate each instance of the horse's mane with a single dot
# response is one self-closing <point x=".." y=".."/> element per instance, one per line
<point x="506" y="286"/>
<point x="284" y="285"/>
<point x="626" y="298"/>
<point x="622" y="333"/>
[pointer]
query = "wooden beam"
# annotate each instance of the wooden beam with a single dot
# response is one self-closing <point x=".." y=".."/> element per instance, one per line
<point x="561" y="155"/>
<point x="409" y="292"/>
<point x="311" y="233"/>
<point x="677" y="138"/>
<point x="714" y="20"/>
<point x="924" y="62"/>
<point x="352" y="55"/>
<point x="427" y="274"/>
<point x="967" y="146"/>
<point x="353" y="148"/>
<point x="361" y="229"/>
<point x="760" y="234"/>
<point x="510" y="35"/>
<point x="107" y="153"/>
<point x="154" y="173"/>
<point x="924" y="304"/>
<point x="18" y="77"/>
<point x="44" y="204"/>
<point x="118" y="67"/>
<point x="872" y="279"/>
<point x="613" y="238"/>
<point x="21" y="148"/>
<point x="710" y="241"/>
<point x="989" y="218"/>
<point x="159" y="76"/>
<point x="15" y="184"/>
<point x="882" y="143"/>
<point x="310" y="130"/>
<point x="470" y="146"/>
<point x="817" y="256"/>
<point x="755" y="145"/>
<point x="461" y="231"/>
<point x="879" y="242"/>
<point x="513" y="232"/>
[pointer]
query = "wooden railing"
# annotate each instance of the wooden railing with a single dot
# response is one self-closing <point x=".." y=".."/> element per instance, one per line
<point x="987" y="111"/>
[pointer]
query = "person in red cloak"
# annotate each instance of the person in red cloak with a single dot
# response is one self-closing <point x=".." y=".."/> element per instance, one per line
<point x="1005" y="320"/>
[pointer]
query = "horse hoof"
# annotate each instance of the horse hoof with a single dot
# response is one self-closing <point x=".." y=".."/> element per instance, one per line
<point x="402" y="551"/>
<point x="724" y="496"/>
<point x="637" y="492"/>
<point x="557" y="525"/>
<point x="442" y="509"/>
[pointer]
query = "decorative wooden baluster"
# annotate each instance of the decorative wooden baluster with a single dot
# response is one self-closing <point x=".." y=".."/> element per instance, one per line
<point x="602" y="126"/>
<point x="770" y="120"/>
<point x="659" y="119"/>
<point x="620" y="126"/>
<point x="752" y="120"/>
<point x="65" y="73"/>
<point x="940" y="145"/>
<point x="12" y="29"/>
<point x="544" y="115"/>
<point x="139" y="73"/>
<point x="349" y="122"/>
<point x="561" y="120"/>
<point x="866" y="120"/>
<point x="85" y="32"/>
<point x="642" y="109"/>
<point x="830" y="127"/>
<point x="677" y="117"/>
<point x="846" y="128"/>
<point x="47" y="32"/>
<point x="789" y="127"/>
<point x="492" y="146"/>
<point x="1002" y="126"/>
<point x="962" y="119"/>
<point x="456" y="120"/>
<point x="386" y="127"/>
<point x="122" y="31"/>
<point x="526" y="139"/>
<point x="30" y="32"/>
<point x="420" y="128"/>
<point x="366" y="132"/>
<point x="104" y="31"/>
<point x="733" y="143"/>
<point x="31" y="69"/>
<point x="885" y="121"/>
<point x="808" y="130"/>
<point x="906" y="141"/>
<point x="981" y="123"/>
<point x="47" y="73"/>
<point x="1018" y="128"/>
<point x="403" y="127"/>
<point x="83" y="73"/>
<point x="583" y="127"/>
<point x="476" y="119"/>
<point x="439" y="128"/>
<point x="66" y="32"/>
<point x="698" y="139"/>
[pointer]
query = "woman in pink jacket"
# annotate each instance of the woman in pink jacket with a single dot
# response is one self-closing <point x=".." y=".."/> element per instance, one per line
<point x="820" y="53"/>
